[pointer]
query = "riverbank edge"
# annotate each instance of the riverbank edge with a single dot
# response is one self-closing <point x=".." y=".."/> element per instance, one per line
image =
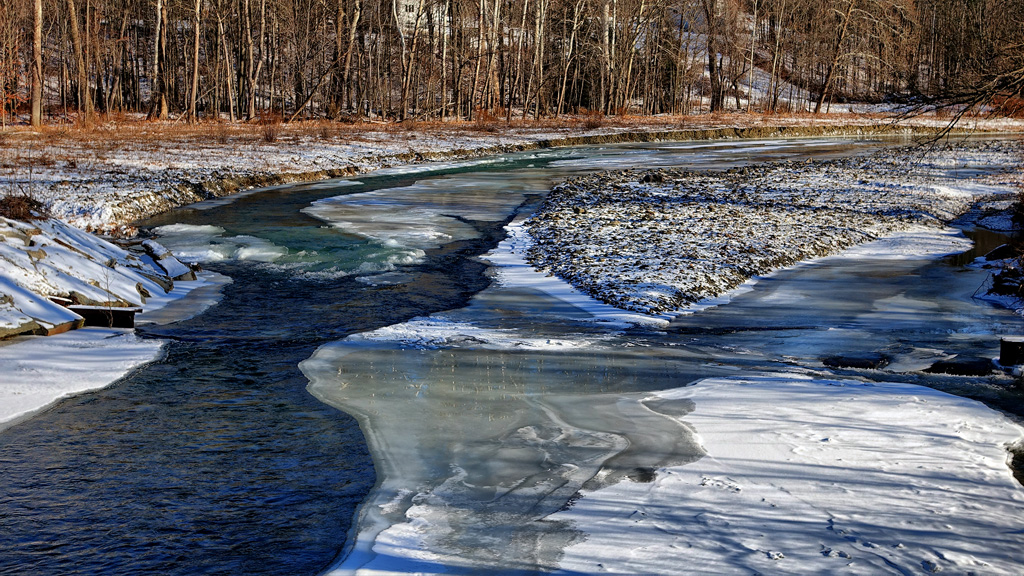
<point x="187" y="192"/>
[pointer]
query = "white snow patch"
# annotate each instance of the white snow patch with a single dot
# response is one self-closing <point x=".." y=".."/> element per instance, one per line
<point x="38" y="371"/>
<point x="810" y="476"/>
<point x="512" y="270"/>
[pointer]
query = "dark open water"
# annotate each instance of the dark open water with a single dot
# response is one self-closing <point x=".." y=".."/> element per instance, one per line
<point x="216" y="460"/>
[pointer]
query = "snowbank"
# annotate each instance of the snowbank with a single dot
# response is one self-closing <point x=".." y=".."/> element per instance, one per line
<point x="48" y="259"/>
<point x="808" y="476"/>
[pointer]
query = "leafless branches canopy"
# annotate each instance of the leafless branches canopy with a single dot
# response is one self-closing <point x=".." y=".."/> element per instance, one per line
<point x="472" y="59"/>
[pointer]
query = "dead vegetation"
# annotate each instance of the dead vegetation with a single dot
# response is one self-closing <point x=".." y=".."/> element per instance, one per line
<point x="22" y="206"/>
<point x="117" y="132"/>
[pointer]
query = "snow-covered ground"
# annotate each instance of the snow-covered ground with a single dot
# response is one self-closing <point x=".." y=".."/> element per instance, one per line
<point x="812" y="476"/>
<point x="660" y="241"/>
<point x="118" y="173"/>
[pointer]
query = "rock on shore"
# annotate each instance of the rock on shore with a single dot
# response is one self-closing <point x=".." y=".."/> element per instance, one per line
<point x="47" y="263"/>
<point x="658" y="241"/>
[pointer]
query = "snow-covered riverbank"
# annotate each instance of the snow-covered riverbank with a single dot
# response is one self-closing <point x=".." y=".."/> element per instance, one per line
<point x="660" y="241"/>
<point x="108" y="177"/>
<point x="47" y="265"/>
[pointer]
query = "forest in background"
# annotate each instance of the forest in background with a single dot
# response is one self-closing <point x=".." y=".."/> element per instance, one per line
<point x="465" y="59"/>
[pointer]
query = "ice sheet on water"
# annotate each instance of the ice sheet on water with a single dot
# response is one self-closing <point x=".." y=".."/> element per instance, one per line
<point x="487" y="420"/>
<point x="209" y="244"/>
<point x="478" y="452"/>
<point x="405" y="222"/>
<point x="329" y="184"/>
<point x="425" y="215"/>
<point x="438" y="166"/>
<point x="36" y="370"/>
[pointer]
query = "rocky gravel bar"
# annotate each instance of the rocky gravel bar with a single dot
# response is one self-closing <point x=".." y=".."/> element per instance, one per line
<point x="659" y="241"/>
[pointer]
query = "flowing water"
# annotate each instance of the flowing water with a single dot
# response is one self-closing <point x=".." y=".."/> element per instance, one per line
<point x="485" y="407"/>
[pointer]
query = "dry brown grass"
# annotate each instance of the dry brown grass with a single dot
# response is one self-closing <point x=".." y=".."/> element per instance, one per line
<point x="117" y="133"/>
<point x="485" y="121"/>
<point x="21" y="205"/>
<point x="592" y="119"/>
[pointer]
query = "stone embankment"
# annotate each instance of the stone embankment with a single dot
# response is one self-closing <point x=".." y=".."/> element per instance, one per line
<point x="54" y="277"/>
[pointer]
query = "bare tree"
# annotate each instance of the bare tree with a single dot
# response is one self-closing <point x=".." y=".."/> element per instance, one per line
<point x="85" y="104"/>
<point x="196" y="28"/>
<point x="37" y="64"/>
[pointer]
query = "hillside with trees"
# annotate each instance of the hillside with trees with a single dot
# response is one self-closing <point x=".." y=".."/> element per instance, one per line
<point x="463" y="59"/>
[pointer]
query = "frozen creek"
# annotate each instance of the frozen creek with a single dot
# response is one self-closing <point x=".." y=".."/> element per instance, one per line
<point x="538" y="430"/>
<point x="516" y="425"/>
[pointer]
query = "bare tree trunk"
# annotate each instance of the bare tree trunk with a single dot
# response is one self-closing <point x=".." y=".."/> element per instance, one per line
<point x="750" y="72"/>
<point x="775" y="84"/>
<point x="229" y="69"/>
<point x="576" y="21"/>
<point x="115" y="96"/>
<point x="445" y="30"/>
<point x="606" y="56"/>
<point x="711" y="8"/>
<point x="493" y="46"/>
<point x="357" y="9"/>
<point x="254" y="68"/>
<point x="193" y="95"/>
<point x="37" y="64"/>
<point x="627" y="85"/>
<point x="480" y="47"/>
<point x="84" y="98"/>
<point x="519" y="63"/>
<point x="158" y="106"/>
<point x="542" y="10"/>
<point x="403" y="57"/>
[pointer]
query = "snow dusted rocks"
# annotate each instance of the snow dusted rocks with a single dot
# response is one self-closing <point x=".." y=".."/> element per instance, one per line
<point x="167" y="262"/>
<point x="48" y="260"/>
<point x="658" y="241"/>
